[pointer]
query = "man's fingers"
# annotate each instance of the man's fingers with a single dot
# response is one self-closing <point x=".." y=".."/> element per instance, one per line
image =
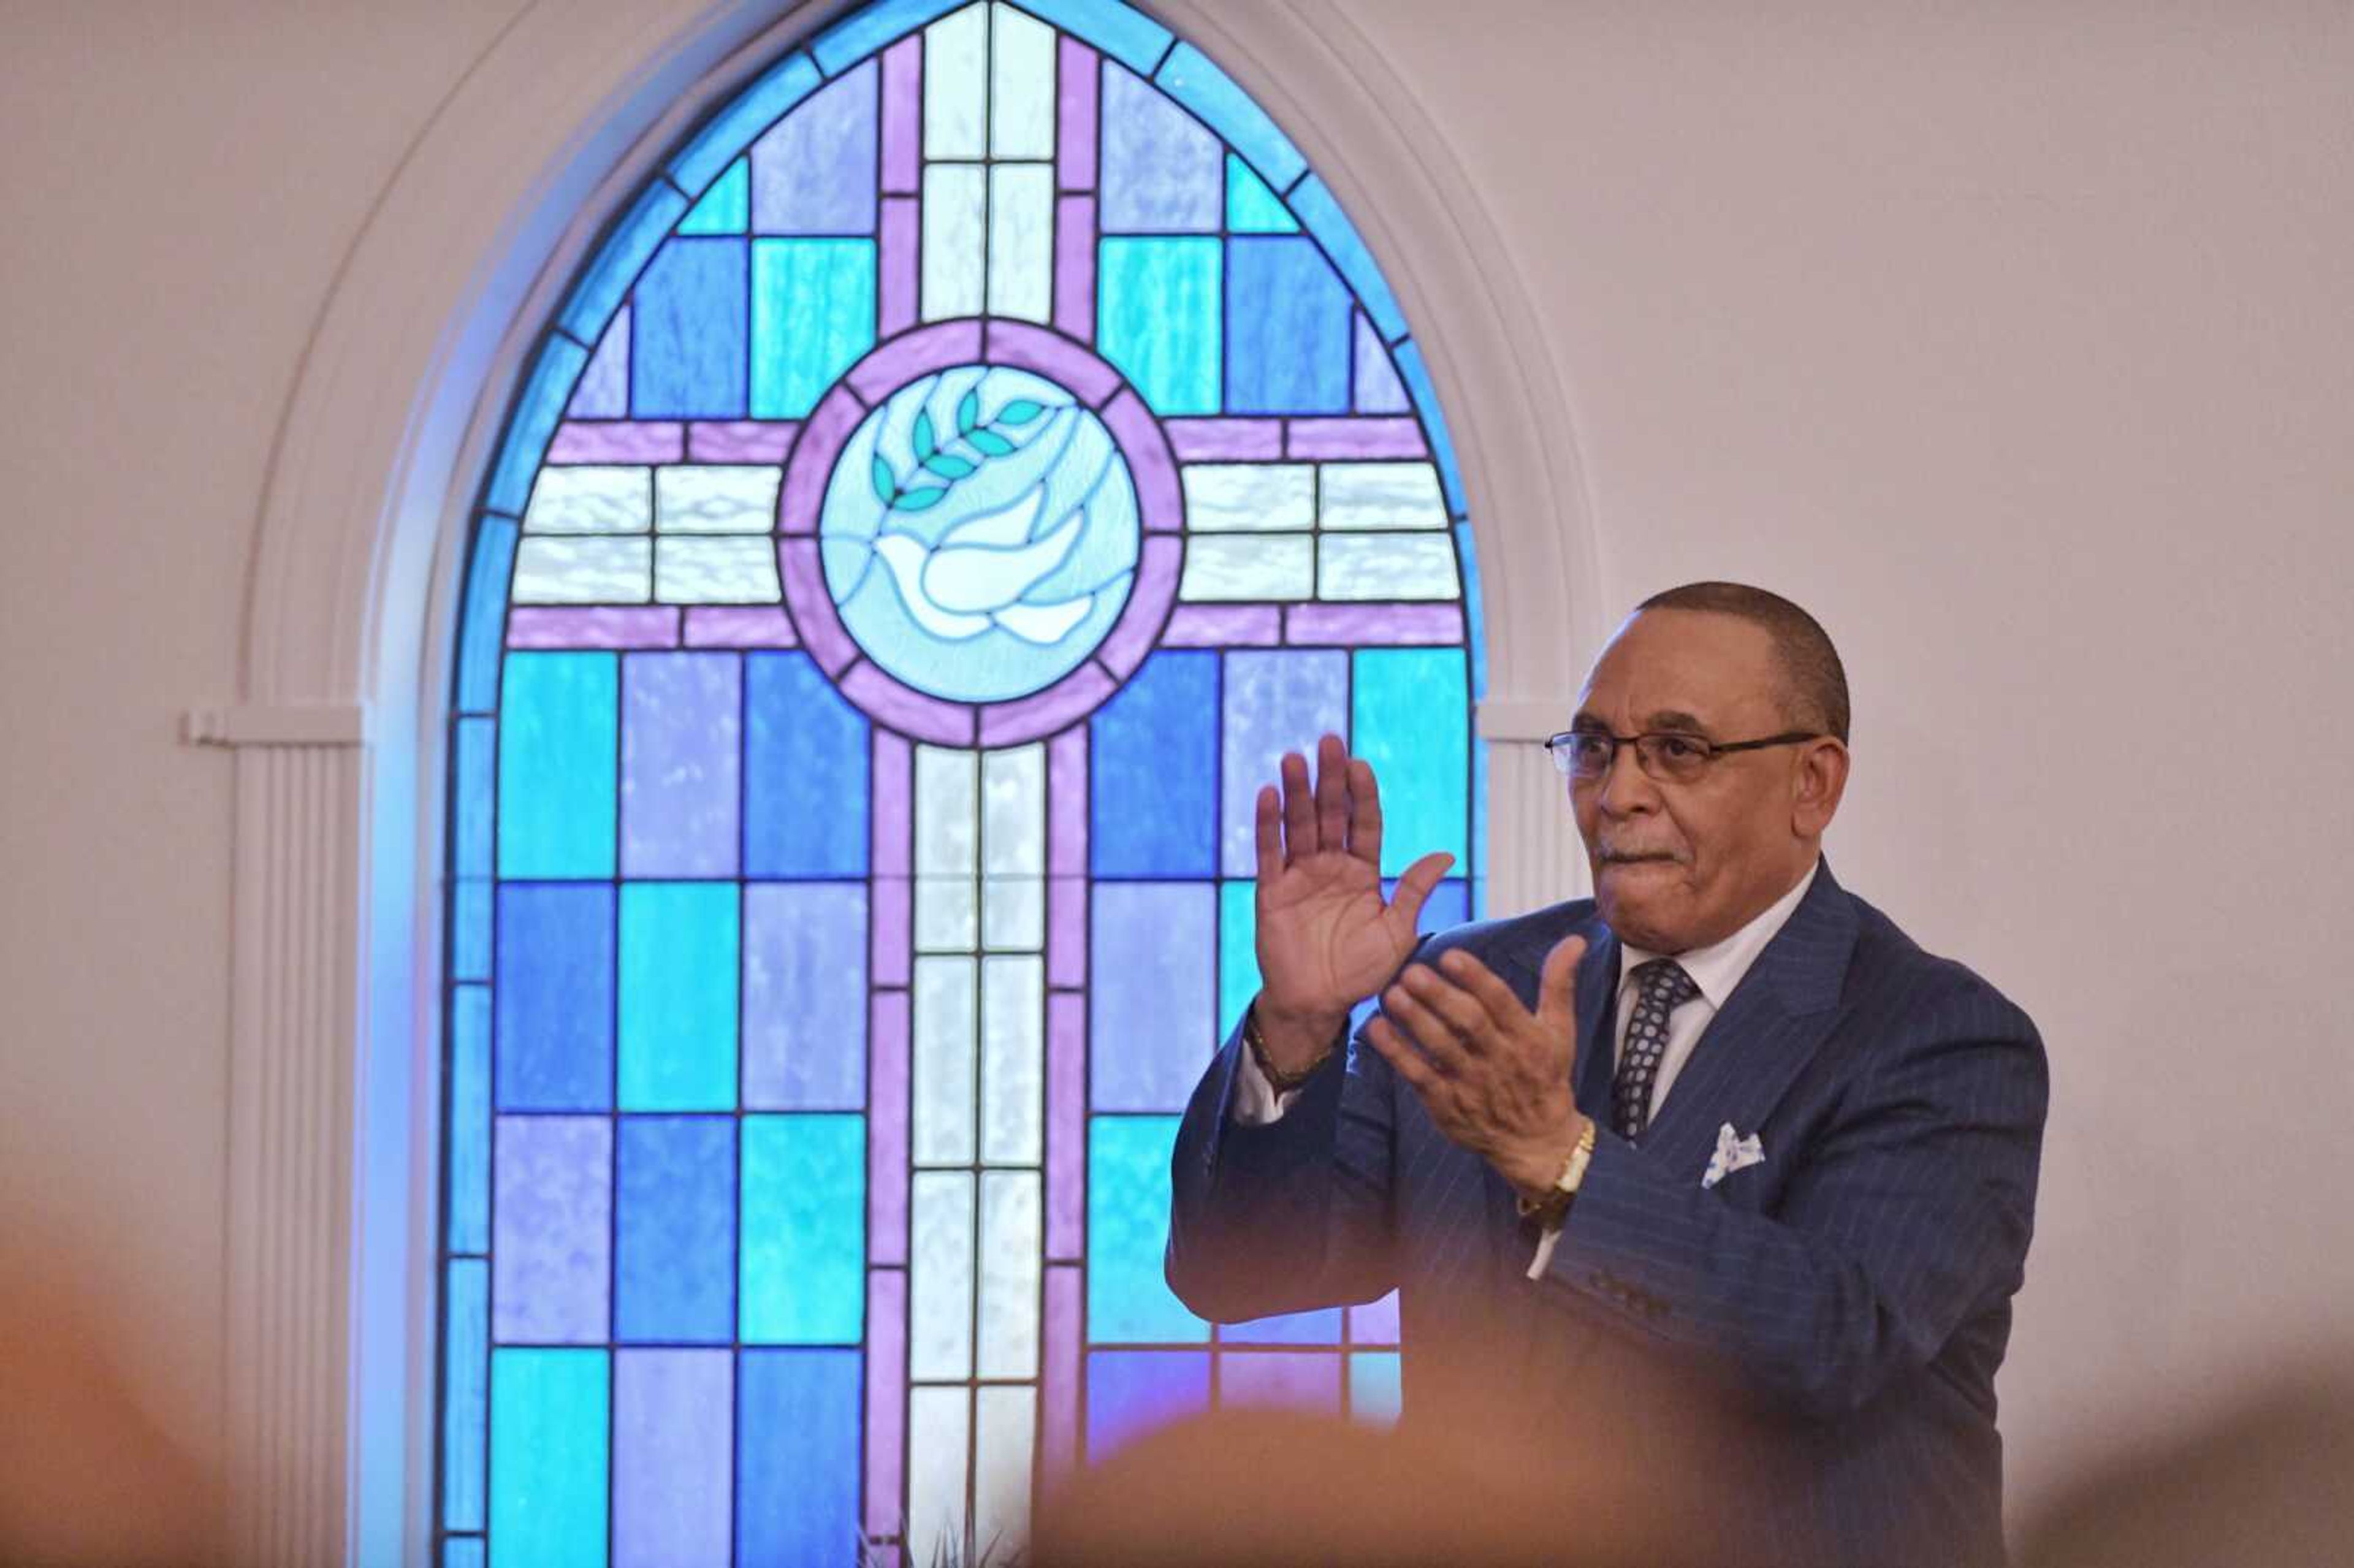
<point x="1383" y="1037"/>
<point x="1332" y="793"/>
<point x="1557" y="984"/>
<point x="1457" y="1008"/>
<point x="1364" y="813"/>
<point x="1268" y="815"/>
<point x="1499" y="1001"/>
<point x="1298" y="808"/>
<point x="1426" y="1028"/>
<point x="1415" y="885"/>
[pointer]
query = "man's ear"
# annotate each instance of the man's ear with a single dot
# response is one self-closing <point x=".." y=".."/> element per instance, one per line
<point x="1821" y="780"/>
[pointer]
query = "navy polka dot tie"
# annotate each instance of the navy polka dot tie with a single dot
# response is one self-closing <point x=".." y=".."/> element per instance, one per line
<point x="1664" y="988"/>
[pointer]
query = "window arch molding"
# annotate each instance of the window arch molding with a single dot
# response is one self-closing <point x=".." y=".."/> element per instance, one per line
<point x="348" y="631"/>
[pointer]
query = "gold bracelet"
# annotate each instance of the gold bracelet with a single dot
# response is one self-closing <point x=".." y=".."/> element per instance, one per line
<point x="1550" y="1208"/>
<point x="1280" y="1082"/>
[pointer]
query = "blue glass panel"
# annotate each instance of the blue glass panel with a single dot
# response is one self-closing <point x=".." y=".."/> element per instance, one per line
<point x="1274" y="701"/>
<point x="1469" y="558"/>
<point x="603" y="392"/>
<point x="606" y="279"/>
<point x="1317" y="1328"/>
<point x="1189" y="78"/>
<point x="1129" y="1302"/>
<point x="674" y="1424"/>
<point x="783" y="85"/>
<point x="1150" y="957"/>
<point x="1413" y="724"/>
<point x="870" y="27"/>
<point x="1282" y="1380"/>
<point x="463" y="1552"/>
<point x="804" y="996"/>
<point x="796" y="1458"/>
<point x="1287" y="329"/>
<point x="1317" y="209"/>
<point x="678" y="970"/>
<point x="804" y="1234"/>
<point x="1416" y="376"/>
<point x="554" y="996"/>
<point x="551" y="1241"/>
<point x="557" y="718"/>
<point x="725" y="207"/>
<point x="474" y="773"/>
<point x="681" y="716"/>
<point x="1161" y="171"/>
<point x="1124" y="33"/>
<point x="1152" y="757"/>
<point x="1157" y="320"/>
<point x="465" y="1399"/>
<point x="470" y="930"/>
<point x="1375" y="1394"/>
<point x="805" y="754"/>
<point x="687" y="328"/>
<point x="1478" y="901"/>
<point x="1251" y="208"/>
<point x="1129" y="1392"/>
<point x="813" y="173"/>
<point x="470" y="1119"/>
<point x="1379" y="390"/>
<point x="548" y="1457"/>
<point x="482" y="635"/>
<point x="541" y="404"/>
<point x="812" y="316"/>
<point x="1449" y="906"/>
<point x="674" y="1236"/>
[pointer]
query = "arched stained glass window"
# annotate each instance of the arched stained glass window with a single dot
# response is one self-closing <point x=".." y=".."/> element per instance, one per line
<point x="958" y="474"/>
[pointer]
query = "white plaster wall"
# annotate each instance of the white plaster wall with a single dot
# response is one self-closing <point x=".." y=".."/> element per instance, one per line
<point x="2014" y="341"/>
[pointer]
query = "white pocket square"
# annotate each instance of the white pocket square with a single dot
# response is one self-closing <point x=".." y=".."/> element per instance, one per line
<point x="1733" y="1153"/>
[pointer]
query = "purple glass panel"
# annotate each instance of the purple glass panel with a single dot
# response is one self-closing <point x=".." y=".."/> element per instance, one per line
<point x="551" y="626"/>
<point x="1058" y="1390"/>
<point x="886" y="1129"/>
<point x="902" y="128"/>
<point x="1162" y="172"/>
<point x="899" y="263"/>
<point x="1226" y="440"/>
<point x="819" y="627"/>
<point x="1074" y="266"/>
<point x="1131" y="1392"/>
<point x="739" y="626"/>
<point x="604" y="389"/>
<point x="893" y="792"/>
<point x="1058" y="359"/>
<point x="1275" y="702"/>
<point x="892" y="943"/>
<point x="617" y="441"/>
<point x="1222" y="626"/>
<point x="1067" y="1124"/>
<point x="673" y="1471"/>
<point x="803" y="493"/>
<point x="886" y="1396"/>
<point x="813" y="171"/>
<point x="1287" y="1380"/>
<point x="740" y="440"/>
<point x="804" y="996"/>
<point x="1066" y="925"/>
<point x="1160" y="503"/>
<point x="1379" y="390"/>
<point x="906" y="709"/>
<point x="551" y="1230"/>
<point x="1138" y="627"/>
<point x="1355" y="439"/>
<point x="681" y="722"/>
<point x="1374" y="1323"/>
<point x="903" y="359"/>
<point x="1075" y="695"/>
<point x="1066" y="796"/>
<point x="1075" y="115"/>
<point x="1393" y="625"/>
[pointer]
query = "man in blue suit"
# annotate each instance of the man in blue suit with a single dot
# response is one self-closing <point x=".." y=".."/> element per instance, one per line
<point x="1716" y="1183"/>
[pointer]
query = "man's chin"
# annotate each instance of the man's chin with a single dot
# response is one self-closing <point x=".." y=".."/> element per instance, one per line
<point x="1635" y="906"/>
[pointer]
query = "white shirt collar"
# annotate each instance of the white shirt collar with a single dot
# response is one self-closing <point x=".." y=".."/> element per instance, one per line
<point x="1718" y="967"/>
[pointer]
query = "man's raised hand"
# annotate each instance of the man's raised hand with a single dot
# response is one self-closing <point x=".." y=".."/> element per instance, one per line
<point x="1325" y="938"/>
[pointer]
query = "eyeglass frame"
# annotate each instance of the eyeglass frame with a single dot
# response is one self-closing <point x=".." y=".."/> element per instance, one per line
<point x="1556" y="748"/>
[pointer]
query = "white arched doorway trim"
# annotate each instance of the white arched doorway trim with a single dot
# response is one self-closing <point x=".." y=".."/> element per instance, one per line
<point x="356" y="568"/>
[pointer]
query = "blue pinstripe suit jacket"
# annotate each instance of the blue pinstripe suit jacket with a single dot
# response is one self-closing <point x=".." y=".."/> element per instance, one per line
<point x="1850" y="1297"/>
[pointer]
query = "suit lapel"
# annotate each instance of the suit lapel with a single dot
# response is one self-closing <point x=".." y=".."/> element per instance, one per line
<point x="1597" y="1022"/>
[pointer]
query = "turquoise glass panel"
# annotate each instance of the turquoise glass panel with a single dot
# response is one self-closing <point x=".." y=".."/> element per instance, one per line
<point x="604" y="285"/>
<point x="1152" y="770"/>
<point x="673" y="1429"/>
<point x="1158" y="319"/>
<point x="1238" y="952"/>
<point x="1189" y="77"/>
<point x="481" y="632"/>
<point x="1251" y="208"/>
<point x="674" y="1230"/>
<point x="1322" y="217"/>
<point x="796" y="1458"/>
<point x="678" y="970"/>
<point x="725" y="207"/>
<point x="537" y="411"/>
<point x="1126" y="34"/>
<point x="553" y="997"/>
<point x="725" y="133"/>
<point x="1152" y="1001"/>
<point x="465" y="1397"/>
<point x="1412" y="722"/>
<point x="1467" y="558"/>
<point x="687" y="332"/>
<point x="470" y="930"/>
<point x="558" y="724"/>
<point x="1375" y="1395"/>
<point x="473" y="774"/>
<point x="804" y="1235"/>
<point x="1288" y="319"/>
<point x="805" y="772"/>
<point x="1129" y="1301"/>
<point x="469" y="1131"/>
<point x="1129" y="1392"/>
<point x="550" y="1462"/>
<point x="812" y="316"/>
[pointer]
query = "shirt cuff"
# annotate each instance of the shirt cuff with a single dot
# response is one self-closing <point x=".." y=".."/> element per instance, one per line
<point x="1255" y="1102"/>
<point x="1545" y="1244"/>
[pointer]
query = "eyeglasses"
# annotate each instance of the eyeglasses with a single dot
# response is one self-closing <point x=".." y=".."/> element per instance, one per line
<point x="1669" y="757"/>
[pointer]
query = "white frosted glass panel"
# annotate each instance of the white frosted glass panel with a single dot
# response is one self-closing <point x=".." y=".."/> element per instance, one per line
<point x="583" y="571"/>
<point x="939" y="1446"/>
<point x="940" y="1276"/>
<point x="1021" y="240"/>
<point x="942" y="1108"/>
<point x="732" y="498"/>
<point x="1012" y="1059"/>
<point x="1011" y="1241"/>
<point x="1013" y="811"/>
<point x="1005" y="1436"/>
<point x="944" y="914"/>
<point x="1022" y="86"/>
<point x="947" y="812"/>
<point x="1381" y="495"/>
<point x="956" y="225"/>
<point x="1248" y="566"/>
<point x="1259" y="498"/>
<point x="715" y="571"/>
<point x="1014" y="914"/>
<point x="598" y="498"/>
<point x="955" y="85"/>
<point x="1386" y="565"/>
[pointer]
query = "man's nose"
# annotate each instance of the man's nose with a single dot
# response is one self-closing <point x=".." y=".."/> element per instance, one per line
<point x="1624" y="788"/>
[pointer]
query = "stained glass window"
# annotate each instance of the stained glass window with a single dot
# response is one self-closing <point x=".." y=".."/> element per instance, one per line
<point x="958" y="474"/>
